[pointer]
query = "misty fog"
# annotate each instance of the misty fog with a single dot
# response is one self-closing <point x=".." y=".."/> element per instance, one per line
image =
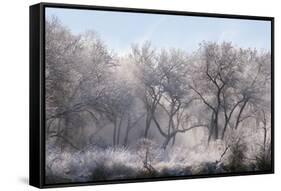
<point x="154" y="112"/>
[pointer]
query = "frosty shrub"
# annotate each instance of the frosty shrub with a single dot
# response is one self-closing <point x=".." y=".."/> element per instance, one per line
<point x="237" y="156"/>
<point x="148" y="152"/>
<point x="146" y="159"/>
<point x="263" y="158"/>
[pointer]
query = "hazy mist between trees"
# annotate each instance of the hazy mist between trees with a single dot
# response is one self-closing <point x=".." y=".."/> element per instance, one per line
<point x="153" y="112"/>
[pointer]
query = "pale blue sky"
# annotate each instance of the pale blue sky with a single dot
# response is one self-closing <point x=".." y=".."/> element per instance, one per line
<point x="119" y="30"/>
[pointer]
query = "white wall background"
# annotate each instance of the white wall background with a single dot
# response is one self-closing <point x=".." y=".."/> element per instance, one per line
<point x="14" y="88"/>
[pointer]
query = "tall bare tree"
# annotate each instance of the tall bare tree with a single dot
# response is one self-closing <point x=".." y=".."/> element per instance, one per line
<point x="227" y="80"/>
<point x="149" y="78"/>
<point x="76" y="68"/>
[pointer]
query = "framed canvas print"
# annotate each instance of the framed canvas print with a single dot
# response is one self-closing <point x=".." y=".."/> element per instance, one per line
<point x="130" y="95"/>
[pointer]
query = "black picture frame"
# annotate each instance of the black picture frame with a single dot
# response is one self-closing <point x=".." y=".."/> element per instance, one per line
<point x="37" y="92"/>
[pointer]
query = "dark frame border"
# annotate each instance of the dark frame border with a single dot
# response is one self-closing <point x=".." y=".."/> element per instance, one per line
<point x="37" y="92"/>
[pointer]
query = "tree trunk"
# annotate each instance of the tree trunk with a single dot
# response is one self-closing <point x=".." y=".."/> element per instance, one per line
<point x="119" y="131"/>
<point x="211" y="128"/>
<point x="224" y="129"/>
<point x="147" y="125"/>
<point x="166" y="142"/>
<point x="240" y="113"/>
<point x="114" y="132"/>
<point x="127" y="132"/>
<point x="174" y="140"/>
<point x="216" y="126"/>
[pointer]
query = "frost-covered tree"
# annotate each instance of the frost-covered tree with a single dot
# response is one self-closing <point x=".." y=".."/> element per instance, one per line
<point x="173" y="65"/>
<point x="76" y="68"/>
<point x="227" y="80"/>
<point x="116" y="105"/>
<point x="149" y="80"/>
